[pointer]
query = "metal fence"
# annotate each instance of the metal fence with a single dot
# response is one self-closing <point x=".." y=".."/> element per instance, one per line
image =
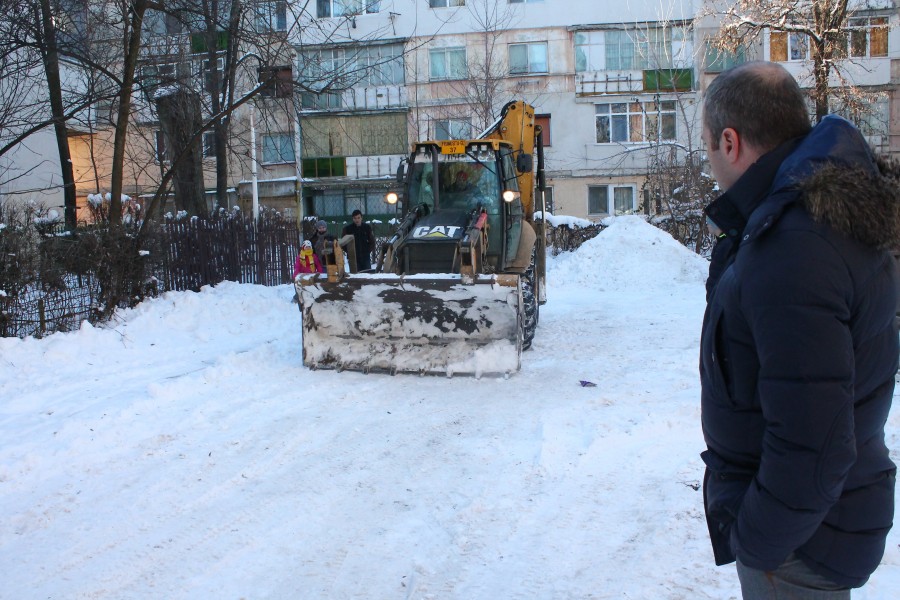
<point x="62" y="292"/>
<point x="202" y="253"/>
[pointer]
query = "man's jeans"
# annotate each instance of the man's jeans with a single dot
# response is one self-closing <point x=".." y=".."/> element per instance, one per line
<point x="793" y="580"/>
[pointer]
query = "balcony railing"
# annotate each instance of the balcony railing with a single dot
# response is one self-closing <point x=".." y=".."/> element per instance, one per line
<point x="373" y="167"/>
<point x="647" y="80"/>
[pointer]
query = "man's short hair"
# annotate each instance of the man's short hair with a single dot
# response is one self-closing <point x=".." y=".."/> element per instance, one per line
<point x="356" y="212"/>
<point x="759" y="100"/>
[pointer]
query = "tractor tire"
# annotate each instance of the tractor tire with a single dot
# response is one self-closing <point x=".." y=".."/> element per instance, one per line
<point x="531" y="308"/>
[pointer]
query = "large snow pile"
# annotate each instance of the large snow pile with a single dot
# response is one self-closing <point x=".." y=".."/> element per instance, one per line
<point x="630" y="255"/>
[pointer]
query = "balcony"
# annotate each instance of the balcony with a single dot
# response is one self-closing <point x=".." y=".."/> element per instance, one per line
<point x="608" y="82"/>
<point x="357" y="99"/>
<point x="623" y="82"/>
<point x="166" y="45"/>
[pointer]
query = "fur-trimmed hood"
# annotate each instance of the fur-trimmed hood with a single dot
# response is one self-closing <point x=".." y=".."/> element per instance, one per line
<point x="845" y="185"/>
<point x="858" y="203"/>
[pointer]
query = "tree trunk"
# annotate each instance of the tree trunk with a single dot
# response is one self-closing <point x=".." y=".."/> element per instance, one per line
<point x="50" y="56"/>
<point x="179" y="117"/>
<point x="130" y="58"/>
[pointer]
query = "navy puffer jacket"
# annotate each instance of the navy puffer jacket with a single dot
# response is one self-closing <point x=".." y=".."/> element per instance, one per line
<point x="798" y="355"/>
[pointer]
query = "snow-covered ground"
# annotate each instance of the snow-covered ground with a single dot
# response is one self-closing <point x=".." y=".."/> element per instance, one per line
<point x="184" y="452"/>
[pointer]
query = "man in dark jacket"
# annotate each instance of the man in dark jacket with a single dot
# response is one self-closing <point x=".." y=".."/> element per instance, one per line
<point x="320" y="239"/>
<point x="799" y="346"/>
<point x="364" y="240"/>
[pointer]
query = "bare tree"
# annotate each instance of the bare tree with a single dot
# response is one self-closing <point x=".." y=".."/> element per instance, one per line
<point x="487" y="72"/>
<point x="816" y="27"/>
<point x="33" y="43"/>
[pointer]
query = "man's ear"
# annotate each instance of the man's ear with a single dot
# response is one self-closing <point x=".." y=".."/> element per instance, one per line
<point x="730" y="142"/>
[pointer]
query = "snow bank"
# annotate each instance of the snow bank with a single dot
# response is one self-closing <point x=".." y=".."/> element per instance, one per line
<point x="630" y="254"/>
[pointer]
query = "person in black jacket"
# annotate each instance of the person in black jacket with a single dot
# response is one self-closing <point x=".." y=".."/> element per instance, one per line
<point x="364" y="239"/>
<point x="320" y="239"/>
<point x="799" y="348"/>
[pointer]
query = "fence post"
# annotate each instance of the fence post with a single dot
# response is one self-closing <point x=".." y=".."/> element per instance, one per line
<point x="42" y="319"/>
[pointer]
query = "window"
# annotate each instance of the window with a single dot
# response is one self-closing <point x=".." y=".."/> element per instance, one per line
<point x="278" y="80"/>
<point x="785" y="46"/>
<point x="340" y="8"/>
<point x="447" y="63"/>
<point x="446" y="3"/>
<point x="271" y="16"/>
<point x="867" y="36"/>
<point x="635" y="122"/>
<point x="524" y="1"/>
<point x="209" y="144"/>
<point x="452" y="129"/>
<point x="589" y="55"/>
<point x="320" y="101"/>
<point x="623" y="52"/>
<point x="329" y="166"/>
<point x="368" y="65"/>
<point x="718" y="60"/>
<point x="325" y="64"/>
<point x="278" y="148"/>
<point x="544" y="122"/>
<point x="159" y="74"/>
<point x="162" y="152"/>
<point x="602" y="198"/>
<point x="528" y="58"/>
<point x="382" y="64"/>
<point x="155" y="22"/>
<point x="207" y="73"/>
<point x="632" y="49"/>
<point x="872" y="116"/>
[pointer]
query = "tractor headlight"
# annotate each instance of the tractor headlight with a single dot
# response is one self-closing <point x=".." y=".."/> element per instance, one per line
<point x="510" y="195"/>
<point x="391" y="197"/>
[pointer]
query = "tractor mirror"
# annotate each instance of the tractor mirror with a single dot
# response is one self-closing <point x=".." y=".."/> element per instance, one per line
<point x="524" y="163"/>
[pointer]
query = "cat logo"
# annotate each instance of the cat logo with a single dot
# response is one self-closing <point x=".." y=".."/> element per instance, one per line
<point x="438" y="231"/>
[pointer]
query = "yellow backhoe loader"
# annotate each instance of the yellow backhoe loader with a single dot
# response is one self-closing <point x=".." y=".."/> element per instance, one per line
<point x="457" y="288"/>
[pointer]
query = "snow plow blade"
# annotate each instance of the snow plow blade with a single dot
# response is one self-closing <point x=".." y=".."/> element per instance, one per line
<point x="416" y="324"/>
